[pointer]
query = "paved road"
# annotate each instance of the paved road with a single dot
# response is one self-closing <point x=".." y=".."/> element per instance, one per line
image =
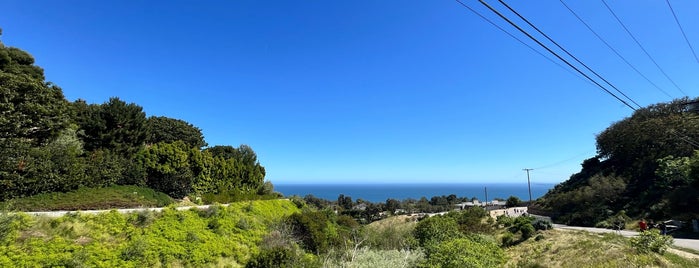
<point x="680" y="242"/>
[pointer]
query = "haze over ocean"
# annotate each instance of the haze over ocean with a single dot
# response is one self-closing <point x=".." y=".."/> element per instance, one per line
<point x="380" y="192"/>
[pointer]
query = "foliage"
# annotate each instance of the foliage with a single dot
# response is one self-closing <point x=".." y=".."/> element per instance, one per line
<point x="651" y="241"/>
<point x="513" y="201"/>
<point x="565" y="248"/>
<point x="471" y="220"/>
<point x="316" y="230"/>
<point x="540" y="224"/>
<point x="170" y="238"/>
<point x="465" y="252"/>
<point x="371" y="258"/>
<point x="168" y="130"/>
<point x="643" y="166"/>
<point x="114" y="125"/>
<point x="31" y="108"/>
<point x="394" y="233"/>
<point x="434" y="230"/>
<point x="92" y="198"/>
<point x="588" y="203"/>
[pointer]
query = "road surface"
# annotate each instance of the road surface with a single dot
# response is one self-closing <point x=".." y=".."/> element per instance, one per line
<point x="679" y="242"/>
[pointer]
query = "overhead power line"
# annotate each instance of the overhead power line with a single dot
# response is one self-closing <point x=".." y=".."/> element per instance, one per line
<point x="555" y="54"/>
<point x="566" y="51"/>
<point x="514" y="37"/>
<point x="614" y="50"/>
<point x="682" y="30"/>
<point x="642" y="48"/>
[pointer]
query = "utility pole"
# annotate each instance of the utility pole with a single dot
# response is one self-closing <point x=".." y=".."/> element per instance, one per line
<point x="486" y="196"/>
<point x="529" y="184"/>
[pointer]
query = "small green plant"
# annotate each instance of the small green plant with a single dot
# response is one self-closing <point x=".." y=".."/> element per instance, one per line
<point x="542" y="225"/>
<point x="508" y="239"/>
<point x="651" y="241"/>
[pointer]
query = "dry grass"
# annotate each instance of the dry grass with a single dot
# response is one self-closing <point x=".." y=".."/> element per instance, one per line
<point x="562" y="248"/>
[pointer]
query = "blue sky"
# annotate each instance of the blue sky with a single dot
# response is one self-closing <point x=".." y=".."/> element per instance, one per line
<point x="365" y="91"/>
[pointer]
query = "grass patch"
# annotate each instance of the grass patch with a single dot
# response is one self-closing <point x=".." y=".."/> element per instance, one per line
<point x="563" y="248"/>
<point x="91" y="198"/>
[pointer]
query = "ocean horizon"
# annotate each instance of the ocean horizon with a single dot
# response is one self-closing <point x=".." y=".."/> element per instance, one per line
<point x="379" y="192"/>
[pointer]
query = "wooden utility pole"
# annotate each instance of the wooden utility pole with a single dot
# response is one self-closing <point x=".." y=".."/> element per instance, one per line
<point x="529" y="184"/>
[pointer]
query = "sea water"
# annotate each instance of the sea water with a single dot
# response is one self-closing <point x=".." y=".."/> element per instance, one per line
<point x="380" y="192"/>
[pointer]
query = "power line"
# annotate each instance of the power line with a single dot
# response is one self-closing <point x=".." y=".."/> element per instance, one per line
<point x="514" y="37"/>
<point x="642" y="48"/>
<point x="566" y="51"/>
<point x="555" y="54"/>
<point x="562" y="161"/>
<point x="682" y="30"/>
<point x="614" y="50"/>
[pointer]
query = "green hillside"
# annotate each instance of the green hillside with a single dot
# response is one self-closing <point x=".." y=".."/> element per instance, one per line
<point x="646" y="166"/>
<point x="218" y="235"/>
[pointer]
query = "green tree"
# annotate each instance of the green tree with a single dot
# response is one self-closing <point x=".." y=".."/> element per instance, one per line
<point x="30" y="108"/>
<point x="167" y="168"/>
<point x="114" y="125"/>
<point x="53" y="167"/>
<point x="242" y="170"/>
<point x="513" y="201"/>
<point x="165" y="129"/>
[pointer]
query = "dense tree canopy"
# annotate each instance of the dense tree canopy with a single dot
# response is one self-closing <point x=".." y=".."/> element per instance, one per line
<point x="31" y="108"/>
<point x="48" y="144"/>
<point x="114" y="125"/>
<point x="165" y="129"/>
<point x="642" y="167"/>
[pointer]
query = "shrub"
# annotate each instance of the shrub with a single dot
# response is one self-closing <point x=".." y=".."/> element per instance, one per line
<point x="465" y="252"/>
<point x="527" y="231"/>
<point x="433" y="230"/>
<point x="542" y="225"/>
<point x="651" y="241"/>
<point x="281" y="257"/>
<point x="505" y="220"/>
<point x="508" y="240"/>
<point x="10" y="225"/>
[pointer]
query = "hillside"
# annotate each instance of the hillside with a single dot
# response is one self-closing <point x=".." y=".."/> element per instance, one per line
<point x="561" y="248"/>
<point x="646" y="166"/>
<point x="219" y="235"/>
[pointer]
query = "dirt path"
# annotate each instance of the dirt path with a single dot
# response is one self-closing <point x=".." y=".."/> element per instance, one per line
<point x="56" y="214"/>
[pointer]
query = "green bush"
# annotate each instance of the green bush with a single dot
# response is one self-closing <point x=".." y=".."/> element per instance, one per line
<point x="505" y="220"/>
<point x="10" y="225"/>
<point x="166" y="239"/>
<point x="465" y="252"/>
<point x="508" y="239"/>
<point x="651" y="241"/>
<point x="433" y="230"/>
<point x="542" y="225"/>
<point x="527" y="231"/>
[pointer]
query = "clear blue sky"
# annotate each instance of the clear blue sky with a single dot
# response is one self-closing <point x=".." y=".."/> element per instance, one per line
<point x="364" y="91"/>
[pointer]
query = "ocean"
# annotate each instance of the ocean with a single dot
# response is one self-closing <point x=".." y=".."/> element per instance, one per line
<point x="380" y="192"/>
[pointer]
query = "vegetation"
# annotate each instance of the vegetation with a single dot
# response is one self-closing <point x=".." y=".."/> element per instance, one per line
<point x="646" y="166"/>
<point x="91" y="198"/>
<point x="562" y="248"/>
<point x="171" y="238"/>
<point x="50" y="145"/>
<point x="651" y="241"/>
